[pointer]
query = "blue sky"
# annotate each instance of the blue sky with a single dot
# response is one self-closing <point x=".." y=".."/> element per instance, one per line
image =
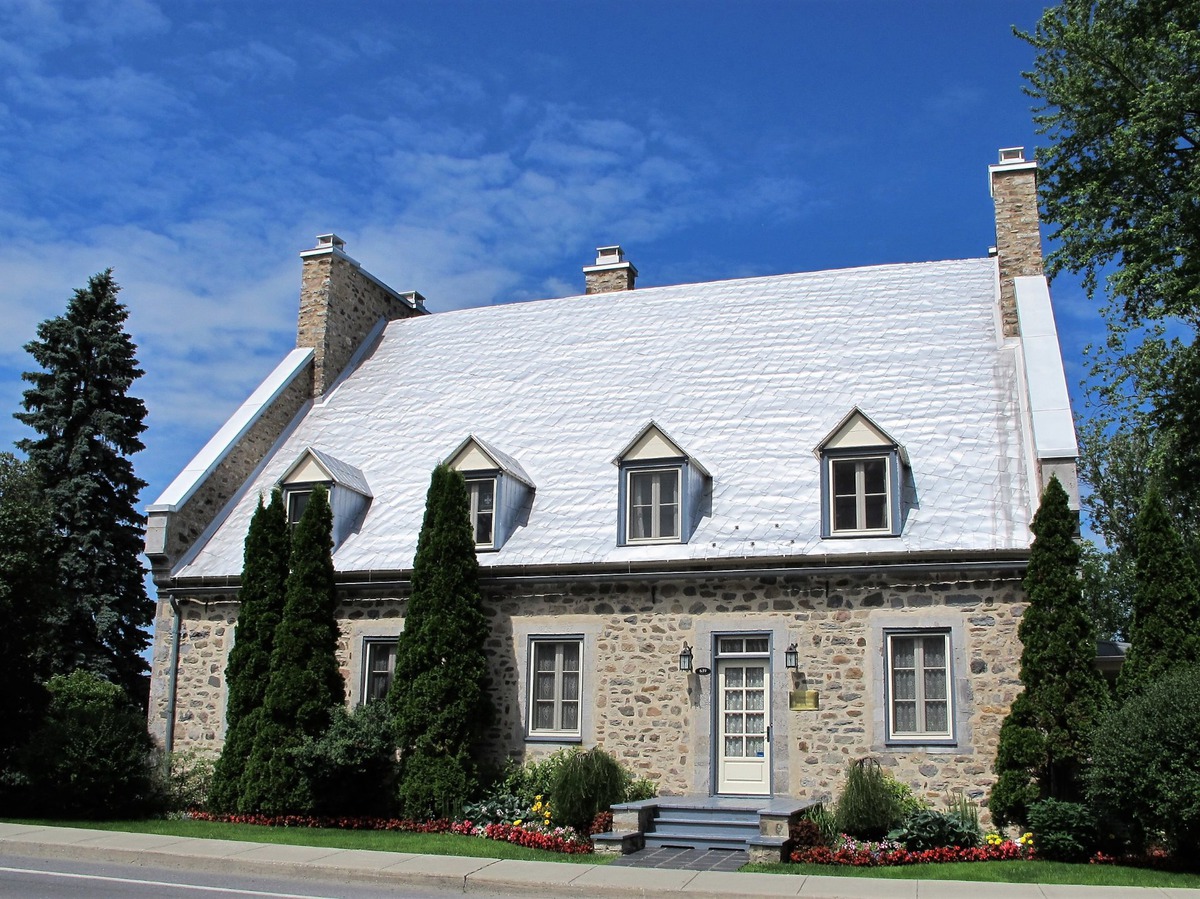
<point x="477" y="152"/>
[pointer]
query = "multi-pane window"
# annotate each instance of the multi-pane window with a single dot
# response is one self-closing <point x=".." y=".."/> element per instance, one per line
<point x="482" y="493"/>
<point x="554" y="687"/>
<point x="919" y="686"/>
<point x="653" y="505"/>
<point x="379" y="665"/>
<point x="297" y="501"/>
<point x="860" y="494"/>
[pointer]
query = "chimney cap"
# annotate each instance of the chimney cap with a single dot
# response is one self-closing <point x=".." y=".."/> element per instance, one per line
<point x="1010" y="155"/>
<point x="609" y="255"/>
<point x="330" y="240"/>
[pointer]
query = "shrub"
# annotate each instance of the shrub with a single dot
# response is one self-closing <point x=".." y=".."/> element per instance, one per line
<point x="351" y="767"/>
<point x="1062" y="831"/>
<point x="585" y="784"/>
<point x="868" y="807"/>
<point x="535" y="778"/>
<point x="930" y="829"/>
<point x="640" y="788"/>
<point x="496" y="808"/>
<point x="91" y="757"/>
<point x="1143" y="764"/>
<point x="189" y="778"/>
<point x="826" y="820"/>
<point x="806" y="834"/>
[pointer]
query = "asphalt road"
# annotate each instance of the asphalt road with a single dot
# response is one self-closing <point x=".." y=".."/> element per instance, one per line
<point x="34" y="878"/>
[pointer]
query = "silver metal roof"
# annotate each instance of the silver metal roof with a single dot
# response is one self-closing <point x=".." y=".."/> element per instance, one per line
<point x="750" y="375"/>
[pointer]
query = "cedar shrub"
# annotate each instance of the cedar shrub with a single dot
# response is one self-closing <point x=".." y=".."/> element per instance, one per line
<point x="439" y="699"/>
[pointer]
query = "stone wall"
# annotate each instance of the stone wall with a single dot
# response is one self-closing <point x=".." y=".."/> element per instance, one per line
<point x="185" y="525"/>
<point x="610" y="280"/>
<point x="1018" y="240"/>
<point x="659" y="721"/>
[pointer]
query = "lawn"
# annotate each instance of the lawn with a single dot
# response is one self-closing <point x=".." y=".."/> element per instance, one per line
<point x="1001" y="872"/>
<point x="380" y="840"/>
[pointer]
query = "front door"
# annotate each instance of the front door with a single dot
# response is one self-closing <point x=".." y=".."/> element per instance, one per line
<point x="744" y="716"/>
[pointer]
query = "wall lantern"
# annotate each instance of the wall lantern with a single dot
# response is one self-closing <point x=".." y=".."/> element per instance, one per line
<point x="685" y="657"/>
<point x="791" y="658"/>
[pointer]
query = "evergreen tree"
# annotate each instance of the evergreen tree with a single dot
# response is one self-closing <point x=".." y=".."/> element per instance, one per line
<point x="89" y="425"/>
<point x="28" y="599"/>
<point x="305" y="680"/>
<point x="264" y="583"/>
<point x="439" y="695"/>
<point x="1044" y="742"/>
<point x="1166" y="601"/>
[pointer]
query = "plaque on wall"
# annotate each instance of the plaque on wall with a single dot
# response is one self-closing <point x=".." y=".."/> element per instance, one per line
<point x="804" y="700"/>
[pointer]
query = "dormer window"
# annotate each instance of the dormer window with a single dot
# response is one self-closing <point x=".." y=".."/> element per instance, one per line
<point x="499" y="491"/>
<point x="482" y="495"/>
<point x="661" y="490"/>
<point x="653" y="502"/>
<point x="862" y="470"/>
<point x="349" y="495"/>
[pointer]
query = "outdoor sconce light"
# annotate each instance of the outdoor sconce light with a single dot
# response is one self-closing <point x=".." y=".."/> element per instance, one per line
<point x="791" y="658"/>
<point x="685" y="657"/>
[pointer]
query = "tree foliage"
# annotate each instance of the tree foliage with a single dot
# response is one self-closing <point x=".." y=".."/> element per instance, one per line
<point x="264" y="583"/>
<point x="1044" y="744"/>
<point x="89" y="426"/>
<point x="28" y="601"/>
<point x="1144" y="770"/>
<point x="305" y="681"/>
<point x="439" y="695"/>
<point x="1166" y="601"/>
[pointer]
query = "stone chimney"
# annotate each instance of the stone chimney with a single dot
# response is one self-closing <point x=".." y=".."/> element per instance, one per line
<point x="1013" y="183"/>
<point x="340" y="304"/>
<point x="611" y="272"/>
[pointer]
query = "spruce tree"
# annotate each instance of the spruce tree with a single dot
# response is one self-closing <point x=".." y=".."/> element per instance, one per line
<point x="89" y="426"/>
<point x="264" y="583"/>
<point x="28" y="599"/>
<point x="1166" y="601"/>
<point x="439" y="695"/>
<point x="1044" y="743"/>
<point x="305" y="680"/>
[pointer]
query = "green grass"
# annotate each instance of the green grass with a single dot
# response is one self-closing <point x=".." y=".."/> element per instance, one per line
<point x="1001" y="872"/>
<point x="379" y="840"/>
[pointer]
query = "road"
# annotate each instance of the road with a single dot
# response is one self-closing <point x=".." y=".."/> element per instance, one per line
<point x="32" y="878"/>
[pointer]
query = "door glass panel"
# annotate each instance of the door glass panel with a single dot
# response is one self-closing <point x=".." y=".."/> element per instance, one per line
<point x="755" y="747"/>
<point x="733" y="677"/>
<point x="733" y="700"/>
<point x="733" y="747"/>
<point x="733" y="724"/>
<point x="755" y="724"/>
<point x="754" y="677"/>
<point x="755" y="700"/>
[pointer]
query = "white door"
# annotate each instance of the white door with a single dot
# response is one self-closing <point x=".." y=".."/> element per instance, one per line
<point x="743" y="725"/>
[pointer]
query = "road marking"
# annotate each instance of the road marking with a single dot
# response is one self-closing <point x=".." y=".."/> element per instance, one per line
<point x="161" y="883"/>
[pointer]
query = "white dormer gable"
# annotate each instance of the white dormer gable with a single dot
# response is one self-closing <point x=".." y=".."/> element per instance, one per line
<point x="857" y="430"/>
<point x="499" y="490"/>
<point x="862" y="479"/>
<point x="661" y="490"/>
<point x="349" y="493"/>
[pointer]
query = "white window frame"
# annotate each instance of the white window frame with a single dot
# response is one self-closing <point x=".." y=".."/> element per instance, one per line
<point x="860" y="493"/>
<point x="557" y="731"/>
<point x="371" y="647"/>
<point x="921" y="734"/>
<point x="291" y="494"/>
<point x="473" y="501"/>
<point x="655" y="504"/>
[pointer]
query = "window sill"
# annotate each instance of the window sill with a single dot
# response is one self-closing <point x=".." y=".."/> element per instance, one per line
<point x="920" y="742"/>
<point x="553" y="738"/>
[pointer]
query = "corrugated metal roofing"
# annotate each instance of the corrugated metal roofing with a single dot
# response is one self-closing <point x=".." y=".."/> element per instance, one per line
<point x="750" y="375"/>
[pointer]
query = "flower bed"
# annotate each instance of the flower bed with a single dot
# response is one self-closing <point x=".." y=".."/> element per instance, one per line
<point x="862" y="854"/>
<point x="529" y="834"/>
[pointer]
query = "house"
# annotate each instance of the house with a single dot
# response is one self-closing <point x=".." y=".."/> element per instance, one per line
<point x="738" y="533"/>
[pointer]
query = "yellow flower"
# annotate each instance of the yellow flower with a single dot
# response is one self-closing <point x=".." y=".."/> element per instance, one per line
<point x="517" y="823"/>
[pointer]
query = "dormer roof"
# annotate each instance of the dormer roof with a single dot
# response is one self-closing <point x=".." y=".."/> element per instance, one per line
<point x="857" y="430"/>
<point x="652" y="442"/>
<point x="467" y="455"/>
<point x="313" y="465"/>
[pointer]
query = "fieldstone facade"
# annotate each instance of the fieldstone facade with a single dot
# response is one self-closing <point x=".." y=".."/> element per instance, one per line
<point x="1018" y="241"/>
<point x="658" y="720"/>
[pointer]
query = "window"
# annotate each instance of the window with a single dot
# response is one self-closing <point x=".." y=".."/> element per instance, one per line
<point x="861" y="492"/>
<point x="654" y="505"/>
<point x="297" y="501"/>
<point x="919" y="705"/>
<point x="482" y="494"/>
<point x="554" y="687"/>
<point x="379" y="665"/>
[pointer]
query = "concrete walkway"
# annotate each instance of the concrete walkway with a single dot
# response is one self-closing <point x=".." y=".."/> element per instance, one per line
<point x="533" y="878"/>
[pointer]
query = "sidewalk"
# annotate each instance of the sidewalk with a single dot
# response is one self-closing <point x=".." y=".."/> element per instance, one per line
<point x="532" y="878"/>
